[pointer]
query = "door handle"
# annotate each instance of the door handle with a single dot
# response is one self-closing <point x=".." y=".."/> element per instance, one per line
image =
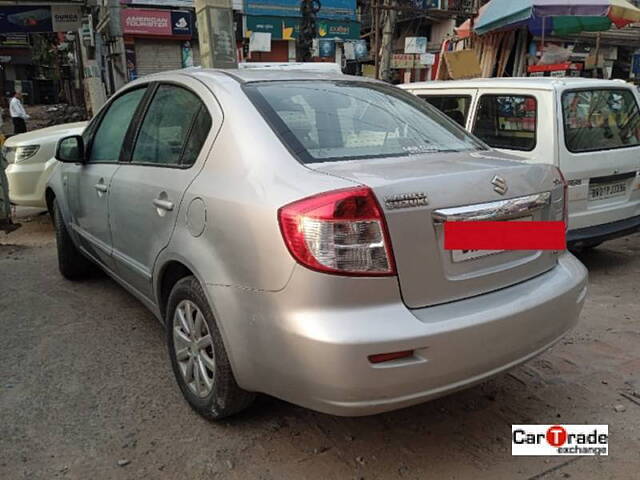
<point x="101" y="188"/>
<point x="163" y="204"/>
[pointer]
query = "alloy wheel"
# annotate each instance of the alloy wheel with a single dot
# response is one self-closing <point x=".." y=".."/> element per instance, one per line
<point x="194" y="348"/>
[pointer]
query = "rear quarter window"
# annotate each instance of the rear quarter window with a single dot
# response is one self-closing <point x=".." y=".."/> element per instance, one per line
<point x="601" y="119"/>
<point x="456" y="107"/>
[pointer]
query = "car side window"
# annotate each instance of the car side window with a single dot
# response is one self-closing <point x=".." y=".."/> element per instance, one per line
<point x="109" y="137"/>
<point x="456" y="107"/>
<point x="507" y="121"/>
<point x="167" y="125"/>
<point x="197" y="137"/>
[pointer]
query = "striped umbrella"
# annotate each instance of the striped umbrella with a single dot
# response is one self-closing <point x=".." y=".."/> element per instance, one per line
<point x="556" y="17"/>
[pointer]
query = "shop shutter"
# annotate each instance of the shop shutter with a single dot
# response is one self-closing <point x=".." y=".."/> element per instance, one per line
<point x="153" y="56"/>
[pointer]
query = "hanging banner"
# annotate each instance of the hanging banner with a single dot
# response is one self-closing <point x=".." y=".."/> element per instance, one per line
<point x="361" y="49"/>
<point x="187" y="55"/>
<point x="327" y="48"/>
<point x="349" y="51"/>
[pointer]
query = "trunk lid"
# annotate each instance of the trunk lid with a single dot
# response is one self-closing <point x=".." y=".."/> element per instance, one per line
<point x="455" y="184"/>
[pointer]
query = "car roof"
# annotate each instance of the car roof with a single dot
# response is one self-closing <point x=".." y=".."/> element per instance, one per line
<point x="247" y="75"/>
<point x="534" y="83"/>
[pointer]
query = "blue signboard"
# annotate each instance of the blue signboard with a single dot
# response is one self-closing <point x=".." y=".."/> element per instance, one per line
<point x="33" y="19"/>
<point x="329" y="9"/>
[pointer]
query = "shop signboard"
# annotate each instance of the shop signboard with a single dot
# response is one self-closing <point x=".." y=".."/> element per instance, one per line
<point x="30" y="19"/>
<point x="181" y="23"/>
<point x="342" y="30"/>
<point x="14" y="40"/>
<point x="403" y="60"/>
<point x="39" y="19"/>
<point x="330" y="9"/>
<point x="164" y="23"/>
<point x="415" y="45"/>
<point x="65" y="18"/>
<point x="427" y="59"/>
<point x="286" y="28"/>
<point x="161" y="3"/>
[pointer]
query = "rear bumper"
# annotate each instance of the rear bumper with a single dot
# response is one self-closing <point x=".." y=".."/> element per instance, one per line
<point x="317" y="355"/>
<point x="584" y="237"/>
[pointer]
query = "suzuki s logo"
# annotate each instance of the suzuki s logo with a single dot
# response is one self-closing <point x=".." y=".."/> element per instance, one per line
<point x="499" y="185"/>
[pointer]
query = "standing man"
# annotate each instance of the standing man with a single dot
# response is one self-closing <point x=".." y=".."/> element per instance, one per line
<point x="18" y="114"/>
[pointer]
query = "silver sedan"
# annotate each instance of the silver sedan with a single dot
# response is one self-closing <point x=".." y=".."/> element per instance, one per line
<point x="287" y="229"/>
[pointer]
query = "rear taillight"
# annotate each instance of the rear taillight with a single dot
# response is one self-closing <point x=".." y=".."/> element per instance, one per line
<point x="565" y="199"/>
<point x="341" y="232"/>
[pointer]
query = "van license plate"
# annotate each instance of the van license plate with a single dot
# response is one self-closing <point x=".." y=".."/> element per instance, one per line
<point x="607" y="190"/>
<point x="458" y="256"/>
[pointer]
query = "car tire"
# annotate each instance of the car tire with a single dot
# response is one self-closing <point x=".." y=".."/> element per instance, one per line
<point x="202" y="368"/>
<point x="71" y="263"/>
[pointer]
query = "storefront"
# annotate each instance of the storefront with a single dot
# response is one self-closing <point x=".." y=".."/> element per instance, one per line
<point x="158" y="40"/>
<point x="277" y="23"/>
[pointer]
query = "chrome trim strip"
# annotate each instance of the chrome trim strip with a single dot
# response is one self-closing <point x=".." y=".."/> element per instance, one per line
<point x="502" y="209"/>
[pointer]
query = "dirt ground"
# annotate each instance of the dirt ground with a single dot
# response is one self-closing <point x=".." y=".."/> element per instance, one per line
<point x="86" y="391"/>
<point x="42" y="116"/>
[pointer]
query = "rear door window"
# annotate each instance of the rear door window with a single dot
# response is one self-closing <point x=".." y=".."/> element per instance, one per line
<point x="507" y="121"/>
<point x="168" y="123"/>
<point x="456" y="107"/>
<point x="600" y="120"/>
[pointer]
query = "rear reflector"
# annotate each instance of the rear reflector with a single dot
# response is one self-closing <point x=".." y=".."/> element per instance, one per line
<point x="388" y="357"/>
<point x="504" y="235"/>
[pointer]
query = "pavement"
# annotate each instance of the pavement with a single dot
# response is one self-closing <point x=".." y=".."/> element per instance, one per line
<point x="86" y="391"/>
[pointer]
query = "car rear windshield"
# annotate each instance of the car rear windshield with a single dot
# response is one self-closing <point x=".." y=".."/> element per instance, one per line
<point x="600" y="119"/>
<point x="321" y="121"/>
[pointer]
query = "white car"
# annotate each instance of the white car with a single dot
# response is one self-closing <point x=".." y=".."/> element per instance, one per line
<point x="588" y="128"/>
<point x="30" y="162"/>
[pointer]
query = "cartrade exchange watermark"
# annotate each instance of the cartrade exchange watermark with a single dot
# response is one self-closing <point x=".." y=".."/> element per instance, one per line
<point x="560" y="439"/>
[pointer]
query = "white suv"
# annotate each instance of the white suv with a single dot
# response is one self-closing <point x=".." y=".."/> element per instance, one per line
<point x="588" y="128"/>
<point x="30" y="161"/>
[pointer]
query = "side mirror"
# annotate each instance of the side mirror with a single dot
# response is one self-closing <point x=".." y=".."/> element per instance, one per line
<point x="70" y="149"/>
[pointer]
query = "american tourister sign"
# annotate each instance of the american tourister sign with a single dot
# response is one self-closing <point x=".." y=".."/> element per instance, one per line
<point x="163" y="23"/>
